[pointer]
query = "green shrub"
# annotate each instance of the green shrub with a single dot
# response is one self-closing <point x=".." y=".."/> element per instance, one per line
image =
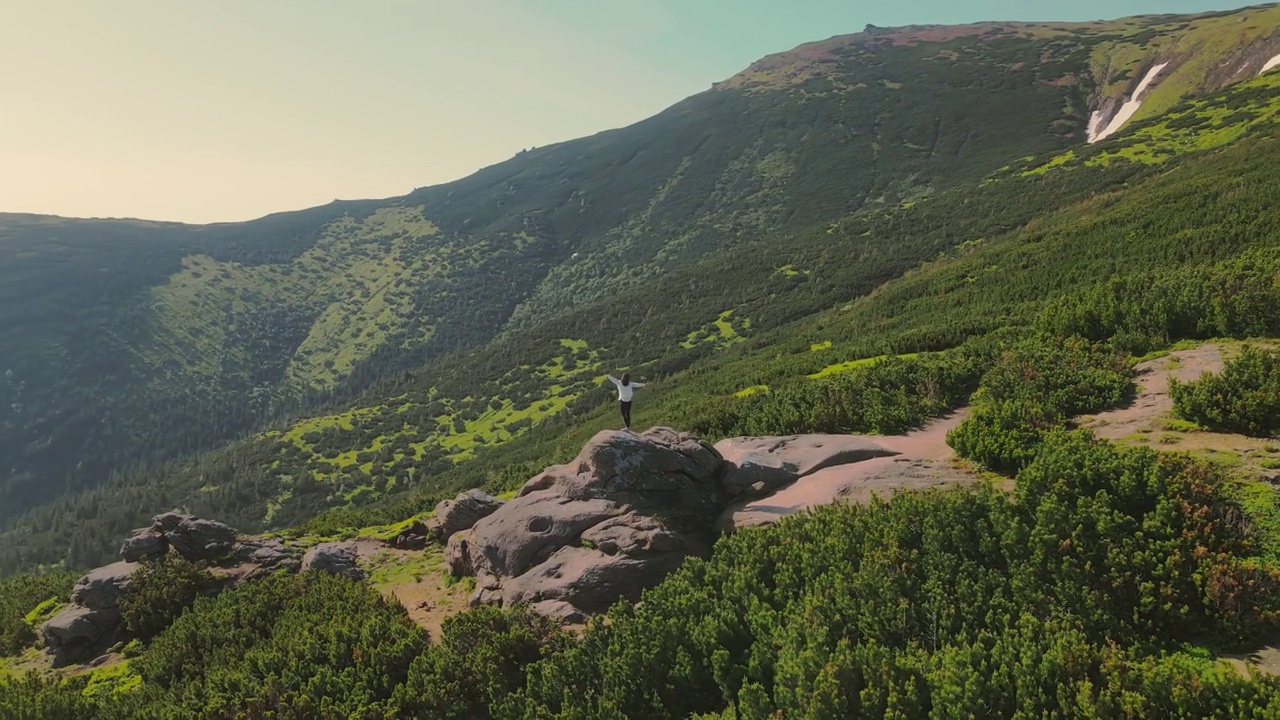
<point x="1036" y="387"/>
<point x="480" y="660"/>
<point x="25" y="602"/>
<point x="1004" y="437"/>
<point x="1243" y="398"/>
<point x="160" y="590"/>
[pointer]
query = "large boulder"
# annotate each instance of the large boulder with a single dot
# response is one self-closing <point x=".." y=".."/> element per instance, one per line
<point x="267" y="554"/>
<point x="337" y="558"/>
<point x="103" y="587"/>
<point x="74" y="633"/>
<point x="589" y="580"/>
<point x="579" y="536"/>
<point x="195" y="538"/>
<point x="461" y="513"/>
<point x="144" y="544"/>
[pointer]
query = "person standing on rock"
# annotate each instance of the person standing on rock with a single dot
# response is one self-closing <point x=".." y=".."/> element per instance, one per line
<point x="625" y="388"/>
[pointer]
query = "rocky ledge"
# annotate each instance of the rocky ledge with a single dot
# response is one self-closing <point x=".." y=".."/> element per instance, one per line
<point x="626" y="512"/>
<point x="92" y="620"/>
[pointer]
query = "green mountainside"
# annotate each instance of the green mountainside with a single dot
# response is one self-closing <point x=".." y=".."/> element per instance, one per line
<point x="857" y="236"/>
<point x="658" y="246"/>
<point x="127" y="343"/>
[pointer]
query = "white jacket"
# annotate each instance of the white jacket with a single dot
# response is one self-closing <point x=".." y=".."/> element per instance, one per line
<point x="624" y="391"/>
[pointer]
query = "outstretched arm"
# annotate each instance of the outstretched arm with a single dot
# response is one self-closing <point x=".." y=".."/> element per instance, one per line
<point x="636" y="384"/>
<point x="614" y="380"/>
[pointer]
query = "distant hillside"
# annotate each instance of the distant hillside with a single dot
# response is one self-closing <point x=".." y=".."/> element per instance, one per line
<point x="127" y="342"/>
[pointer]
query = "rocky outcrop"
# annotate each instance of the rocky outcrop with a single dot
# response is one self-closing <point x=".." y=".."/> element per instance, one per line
<point x="760" y="465"/>
<point x="103" y="587"/>
<point x="461" y="513"/>
<point x="584" y="534"/>
<point x="268" y="555"/>
<point x="337" y="558"/>
<point x="93" y="619"/>
<point x="144" y="544"/>
<point x="78" y="632"/>
<point x="195" y="538"/>
<point x="629" y="508"/>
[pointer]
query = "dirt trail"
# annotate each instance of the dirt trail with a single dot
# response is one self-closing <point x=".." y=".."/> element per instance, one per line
<point x="1149" y="419"/>
<point x="924" y="461"/>
<point x="416" y="579"/>
<point x="1152" y="401"/>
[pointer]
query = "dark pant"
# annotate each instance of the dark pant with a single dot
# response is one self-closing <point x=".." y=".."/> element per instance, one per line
<point x="626" y="411"/>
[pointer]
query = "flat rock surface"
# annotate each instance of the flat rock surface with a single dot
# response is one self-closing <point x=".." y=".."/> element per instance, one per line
<point x="920" y="459"/>
<point x="800" y="454"/>
<point x="337" y="558"/>
<point x="103" y="587"/>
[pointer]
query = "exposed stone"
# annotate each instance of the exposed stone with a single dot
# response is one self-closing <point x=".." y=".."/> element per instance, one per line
<point x="166" y="522"/>
<point x="268" y="554"/>
<point x="629" y="508"/>
<point x="587" y="533"/>
<point x="103" y="587"/>
<point x="635" y="535"/>
<point x="338" y="558"/>
<point x="195" y="538"/>
<point x="756" y="459"/>
<point x="461" y="513"/>
<point x="511" y="542"/>
<point x="589" y="579"/>
<point x="417" y="528"/>
<point x="855" y="483"/>
<point x="559" y="610"/>
<point x="411" y="541"/>
<point x="75" y="633"/>
<point x="143" y="544"/>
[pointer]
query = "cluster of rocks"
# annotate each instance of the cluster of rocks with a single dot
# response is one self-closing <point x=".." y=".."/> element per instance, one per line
<point x="92" y="620"/>
<point x="576" y="538"/>
<point x="450" y="516"/>
<point x="625" y="513"/>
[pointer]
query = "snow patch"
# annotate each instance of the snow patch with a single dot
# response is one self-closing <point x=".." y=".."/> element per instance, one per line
<point x="1128" y="110"/>
<point x="1096" y="122"/>
<point x="1273" y="62"/>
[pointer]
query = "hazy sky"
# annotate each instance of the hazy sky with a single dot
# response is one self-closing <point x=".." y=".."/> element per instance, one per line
<point x="229" y="109"/>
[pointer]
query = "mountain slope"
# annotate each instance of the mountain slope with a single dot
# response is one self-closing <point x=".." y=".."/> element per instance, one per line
<point x="130" y="342"/>
<point x="735" y="336"/>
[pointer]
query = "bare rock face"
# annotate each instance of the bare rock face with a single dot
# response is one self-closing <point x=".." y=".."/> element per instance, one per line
<point x="144" y="544"/>
<point x="338" y="558"/>
<point x="93" y="620"/>
<point x="195" y="538"/>
<point x="268" y="554"/>
<point x="559" y="610"/>
<point x="760" y="465"/>
<point x="461" y="513"/>
<point x="579" y="536"/>
<point x="103" y="587"/>
<point x="75" y="633"/>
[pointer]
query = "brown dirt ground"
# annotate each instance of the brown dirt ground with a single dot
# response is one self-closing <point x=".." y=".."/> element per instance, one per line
<point x="415" y="578"/>
<point x="1149" y="420"/>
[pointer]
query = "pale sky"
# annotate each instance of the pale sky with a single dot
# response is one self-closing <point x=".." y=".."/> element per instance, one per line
<point x="217" y="110"/>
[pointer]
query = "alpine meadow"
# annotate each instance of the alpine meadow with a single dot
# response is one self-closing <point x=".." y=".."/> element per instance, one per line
<point x="958" y="351"/>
